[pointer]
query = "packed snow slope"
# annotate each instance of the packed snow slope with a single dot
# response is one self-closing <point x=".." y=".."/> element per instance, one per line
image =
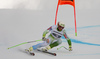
<point x="18" y="26"/>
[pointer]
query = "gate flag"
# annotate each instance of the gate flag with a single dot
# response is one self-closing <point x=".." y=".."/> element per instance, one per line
<point x="69" y="2"/>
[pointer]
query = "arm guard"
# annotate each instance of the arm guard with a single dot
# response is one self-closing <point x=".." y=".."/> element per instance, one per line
<point x="47" y="31"/>
<point x="69" y="42"/>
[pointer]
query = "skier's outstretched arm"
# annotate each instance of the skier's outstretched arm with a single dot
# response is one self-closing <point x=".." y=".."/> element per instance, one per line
<point x="68" y="40"/>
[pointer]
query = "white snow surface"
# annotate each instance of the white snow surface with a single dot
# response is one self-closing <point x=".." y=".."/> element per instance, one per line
<point x="18" y="26"/>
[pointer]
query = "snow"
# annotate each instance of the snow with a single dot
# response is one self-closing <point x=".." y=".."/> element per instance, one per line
<point x="18" y="26"/>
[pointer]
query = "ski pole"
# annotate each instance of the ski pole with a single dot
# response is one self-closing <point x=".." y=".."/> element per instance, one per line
<point x="62" y="47"/>
<point x="24" y="43"/>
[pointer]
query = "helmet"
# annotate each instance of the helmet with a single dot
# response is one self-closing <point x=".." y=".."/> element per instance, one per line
<point x="61" y="24"/>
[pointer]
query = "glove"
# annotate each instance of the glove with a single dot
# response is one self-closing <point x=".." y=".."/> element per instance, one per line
<point x="70" y="48"/>
<point x="43" y="38"/>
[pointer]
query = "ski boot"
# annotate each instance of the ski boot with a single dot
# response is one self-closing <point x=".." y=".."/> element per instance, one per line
<point x="46" y="48"/>
<point x="30" y="49"/>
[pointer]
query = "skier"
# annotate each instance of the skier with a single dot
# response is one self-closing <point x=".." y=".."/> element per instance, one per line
<point x="53" y="40"/>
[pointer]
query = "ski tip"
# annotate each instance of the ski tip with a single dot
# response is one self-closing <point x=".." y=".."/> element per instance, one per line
<point x="32" y="54"/>
<point x="54" y="54"/>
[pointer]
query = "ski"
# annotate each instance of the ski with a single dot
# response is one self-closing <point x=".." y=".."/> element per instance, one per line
<point x="31" y="53"/>
<point x="54" y="54"/>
